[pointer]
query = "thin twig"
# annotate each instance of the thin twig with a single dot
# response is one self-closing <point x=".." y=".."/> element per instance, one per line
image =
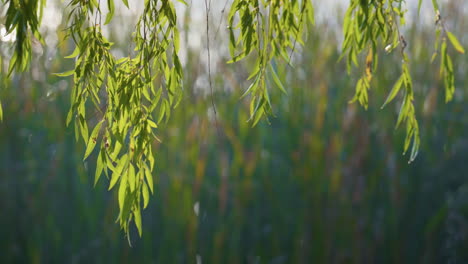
<point x="221" y="18"/>
<point x="208" y="9"/>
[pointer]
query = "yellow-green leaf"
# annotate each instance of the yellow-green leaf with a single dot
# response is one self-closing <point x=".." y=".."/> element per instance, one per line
<point x="149" y="178"/>
<point x="456" y="44"/>
<point x="277" y="80"/>
<point x="75" y="53"/>
<point x="118" y="170"/>
<point x="394" y="91"/>
<point x="122" y="191"/>
<point x="65" y="74"/>
<point x="137" y="215"/>
<point x="93" y="139"/>
<point x="99" y="165"/>
<point x="110" y="4"/>
<point x="146" y="195"/>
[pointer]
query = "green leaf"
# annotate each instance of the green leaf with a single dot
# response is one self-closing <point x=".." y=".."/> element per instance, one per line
<point x="277" y="80"/>
<point x="93" y="139"/>
<point x="122" y="191"/>
<point x="110" y="4"/>
<point x="64" y="74"/>
<point x="258" y="116"/>
<point x="75" y="53"/>
<point x="146" y="195"/>
<point x="13" y="62"/>
<point x="252" y="86"/>
<point x="149" y="178"/>
<point x="162" y="111"/>
<point x="434" y="56"/>
<point x="415" y="148"/>
<point x="101" y="160"/>
<point x="403" y="114"/>
<point x="1" y="112"/>
<point x="118" y="170"/>
<point x="394" y="91"/>
<point x="131" y="177"/>
<point x="125" y="3"/>
<point x="83" y="128"/>
<point x="456" y="44"/>
<point x="435" y="5"/>
<point x="137" y="215"/>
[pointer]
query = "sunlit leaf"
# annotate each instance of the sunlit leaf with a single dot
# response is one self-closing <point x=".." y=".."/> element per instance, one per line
<point x="65" y="74"/>
<point x="394" y="91"/>
<point x="456" y="44"/>
<point x="119" y="169"/>
<point x="149" y="178"/>
<point x="146" y="195"/>
<point x="75" y="53"/>
<point x="93" y="139"/>
<point x="137" y="215"/>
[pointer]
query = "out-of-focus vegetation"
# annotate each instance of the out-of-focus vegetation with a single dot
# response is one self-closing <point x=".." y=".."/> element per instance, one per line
<point x="325" y="182"/>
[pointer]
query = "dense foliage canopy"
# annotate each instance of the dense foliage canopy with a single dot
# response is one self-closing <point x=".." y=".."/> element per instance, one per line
<point x="134" y="94"/>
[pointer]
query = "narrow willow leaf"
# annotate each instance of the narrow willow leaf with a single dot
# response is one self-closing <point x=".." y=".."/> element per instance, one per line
<point x="403" y="114"/>
<point x="394" y="91"/>
<point x="118" y="170"/>
<point x="125" y="3"/>
<point x="116" y="151"/>
<point x="83" y="129"/>
<point x="435" y="5"/>
<point x="1" y="112"/>
<point x="146" y="195"/>
<point x="277" y="80"/>
<point x="13" y="61"/>
<point x="415" y="148"/>
<point x="75" y="53"/>
<point x="162" y="111"/>
<point x="122" y="191"/>
<point x="149" y="178"/>
<point x="151" y="123"/>
<point x="443" y="56"/>
<point x="176" y="40"/>
<point x="252" y="86"/>
<point x="131" y="177"/>
<point x="182" y="1"/>
<point x="101" y="160"/>
<point x="150" y="158"/>
<point x="64" y="74"/>
<point x="257" y="116"/>
<point x="137" y="215"/>
<point x="167" y="111"/>
<point x="434" y="56"/>
<point x="93" y="139"/>
<point x="77" y="132"/>
<point x="110" y="5"/>
<point x="456" y="44"/>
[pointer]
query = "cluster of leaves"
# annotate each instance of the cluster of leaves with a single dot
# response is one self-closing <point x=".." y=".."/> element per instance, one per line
<point x="127" y="93"/>
<point x="446" y="65"/>
<point x="268" y="29"/>
<point x="133" y="95"/>
<point x="23" y="19"/>
<point x="370" y="25"/>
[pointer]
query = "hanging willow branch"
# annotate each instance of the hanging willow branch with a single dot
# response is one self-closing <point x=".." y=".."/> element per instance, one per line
<point x="134" y="94"/>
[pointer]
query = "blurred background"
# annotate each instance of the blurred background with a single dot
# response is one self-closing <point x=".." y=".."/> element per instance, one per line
<point x="324" y="182"/>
